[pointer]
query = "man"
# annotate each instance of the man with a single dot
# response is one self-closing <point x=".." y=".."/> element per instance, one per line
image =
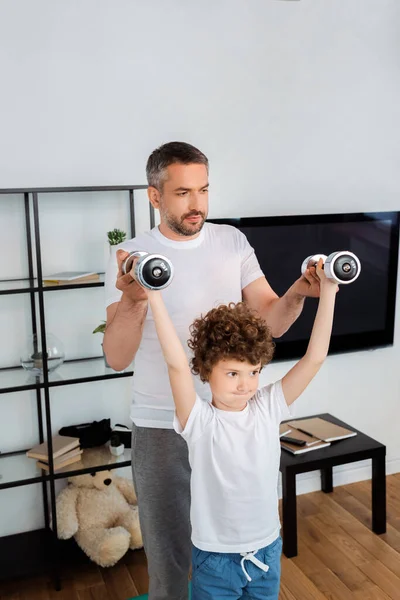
<point x="214" y="264"/>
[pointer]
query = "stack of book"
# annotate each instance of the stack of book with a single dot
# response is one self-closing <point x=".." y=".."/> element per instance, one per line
<point x="66" y="451"/>
<point x="71" y="277"/>
<point x="305" y="435"/>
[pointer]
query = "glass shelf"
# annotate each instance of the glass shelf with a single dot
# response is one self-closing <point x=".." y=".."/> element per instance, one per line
<point x="83" y="188"/>
<point x="17" y="469"/>
<point x="16" y="379"/>
<point x="82" y="370"/>
<point x="18" y="286"/>
<point x="78" y="468"/>
<point x="73" y="286"/>
<point x="24" y="286"/>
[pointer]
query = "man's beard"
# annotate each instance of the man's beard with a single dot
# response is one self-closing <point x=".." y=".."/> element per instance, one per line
<point x="178" y="225"/>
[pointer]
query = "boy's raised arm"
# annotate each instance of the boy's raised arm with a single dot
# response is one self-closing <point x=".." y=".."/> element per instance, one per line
<point x="298" y="378"/>
<point x="180" y="376"/>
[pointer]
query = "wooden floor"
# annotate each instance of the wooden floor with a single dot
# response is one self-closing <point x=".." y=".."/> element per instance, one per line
<point x="339" y="557"/>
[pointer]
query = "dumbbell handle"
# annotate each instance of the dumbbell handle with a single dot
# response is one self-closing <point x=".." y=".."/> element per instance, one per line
<point x="312" y="261"/>
<point x="128" y="262"/>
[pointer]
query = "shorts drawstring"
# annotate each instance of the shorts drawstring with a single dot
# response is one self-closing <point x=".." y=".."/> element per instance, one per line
<point x="250" y="556"/>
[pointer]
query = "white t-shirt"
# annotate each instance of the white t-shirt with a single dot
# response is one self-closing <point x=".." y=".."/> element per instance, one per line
<point x="234" y="458"/>
<point x="208" y="271"/>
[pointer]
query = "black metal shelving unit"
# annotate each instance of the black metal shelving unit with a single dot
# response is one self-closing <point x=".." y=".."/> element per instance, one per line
<point x="35" y="551"/>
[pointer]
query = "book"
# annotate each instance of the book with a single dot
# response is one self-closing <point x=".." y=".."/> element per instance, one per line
<point x="71" y="454"/>
<point x="322" y="429"/>
<point x="45" y="466"/>
<point x="284" y="429"/>
<point x="294" y="449"/>
<point x="300" y="435"/>
<point x="67" y="277"/>
<point x="61" y="445"/>
<point x="70" y="283"/>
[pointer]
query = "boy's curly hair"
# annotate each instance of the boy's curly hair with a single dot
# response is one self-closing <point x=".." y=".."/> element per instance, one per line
<point x="226" y="332"/>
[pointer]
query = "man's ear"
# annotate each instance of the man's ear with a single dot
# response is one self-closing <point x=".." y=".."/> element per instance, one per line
<point x="154" y="196"/>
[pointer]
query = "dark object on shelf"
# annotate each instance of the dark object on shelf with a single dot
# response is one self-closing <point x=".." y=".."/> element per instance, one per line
<point x="90" y="435"/>
<point x="116" y="446"/>
<point x="124" y="433"/>
<point x="115" y="440"/>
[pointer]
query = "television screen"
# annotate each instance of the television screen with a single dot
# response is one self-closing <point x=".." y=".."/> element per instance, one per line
<point x="365" y="308"/>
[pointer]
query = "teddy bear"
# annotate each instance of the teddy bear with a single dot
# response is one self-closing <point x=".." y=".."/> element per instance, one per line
<point x="99" y="510"/>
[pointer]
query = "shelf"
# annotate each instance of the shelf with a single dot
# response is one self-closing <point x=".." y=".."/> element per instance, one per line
<point x="74" y="286"/>
<point x="16" y="469"/>
<point x="116" y="462"/>
<point x="16" y="379"/>
<point x="95" y="188"/>
<point x="39" y="551"/>
<point x="17" y="286"/>
<point x="25" y="286"/>
<point x="84" y="370"/>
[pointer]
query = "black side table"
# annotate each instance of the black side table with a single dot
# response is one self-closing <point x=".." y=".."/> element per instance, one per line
<point x="359" y="447"/>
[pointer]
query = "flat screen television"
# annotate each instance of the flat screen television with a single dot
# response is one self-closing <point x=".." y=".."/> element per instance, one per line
<point x="365" y="309"/>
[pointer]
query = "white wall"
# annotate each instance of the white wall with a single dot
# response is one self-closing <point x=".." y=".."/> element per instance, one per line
<point x="296" y="105"/>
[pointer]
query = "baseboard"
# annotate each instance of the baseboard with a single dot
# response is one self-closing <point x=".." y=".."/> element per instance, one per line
<point x="342" y="475"/>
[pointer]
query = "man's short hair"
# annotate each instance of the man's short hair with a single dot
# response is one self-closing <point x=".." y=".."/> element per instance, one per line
<point x="169" y="154"/>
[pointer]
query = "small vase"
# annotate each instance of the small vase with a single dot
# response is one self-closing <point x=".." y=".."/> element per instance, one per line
<point x="106" y="363"/>
<point x="109" y="254"/>
<point x="117" y="450"/>
<point x="32" y="356"/>
<point x="113" y="252"/>
<point x="116" y="446"/>
<point x="105" y="358"/>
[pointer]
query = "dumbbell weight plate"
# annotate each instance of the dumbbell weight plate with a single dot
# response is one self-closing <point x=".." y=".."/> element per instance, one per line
<point x="155" y="272"/>
<point x="152" y="271"/>
<point x="344" y="267"/>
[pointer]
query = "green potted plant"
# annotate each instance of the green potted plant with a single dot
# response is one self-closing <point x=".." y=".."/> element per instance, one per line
<point x="101" y="329"/>
<point x="116" y="236"/>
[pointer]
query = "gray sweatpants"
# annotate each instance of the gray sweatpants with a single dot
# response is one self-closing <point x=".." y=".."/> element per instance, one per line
<point x="161" y="476"/>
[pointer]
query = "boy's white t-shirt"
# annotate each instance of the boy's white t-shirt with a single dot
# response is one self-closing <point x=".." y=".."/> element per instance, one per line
<point x="210" y="270"/>
<point x="234" y="458"/>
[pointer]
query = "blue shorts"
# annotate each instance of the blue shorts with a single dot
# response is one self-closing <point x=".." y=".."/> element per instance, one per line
<point x="218" y="575"/>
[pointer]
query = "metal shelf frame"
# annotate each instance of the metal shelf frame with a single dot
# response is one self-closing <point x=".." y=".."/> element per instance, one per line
<point x="33" y="285"/>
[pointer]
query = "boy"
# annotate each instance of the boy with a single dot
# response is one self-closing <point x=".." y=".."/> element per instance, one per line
<point x="233" y="441"/>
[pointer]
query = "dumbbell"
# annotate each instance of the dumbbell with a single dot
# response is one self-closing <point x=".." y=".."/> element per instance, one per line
<point x="343" y="267"/>
<point x="152" y="271"/>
